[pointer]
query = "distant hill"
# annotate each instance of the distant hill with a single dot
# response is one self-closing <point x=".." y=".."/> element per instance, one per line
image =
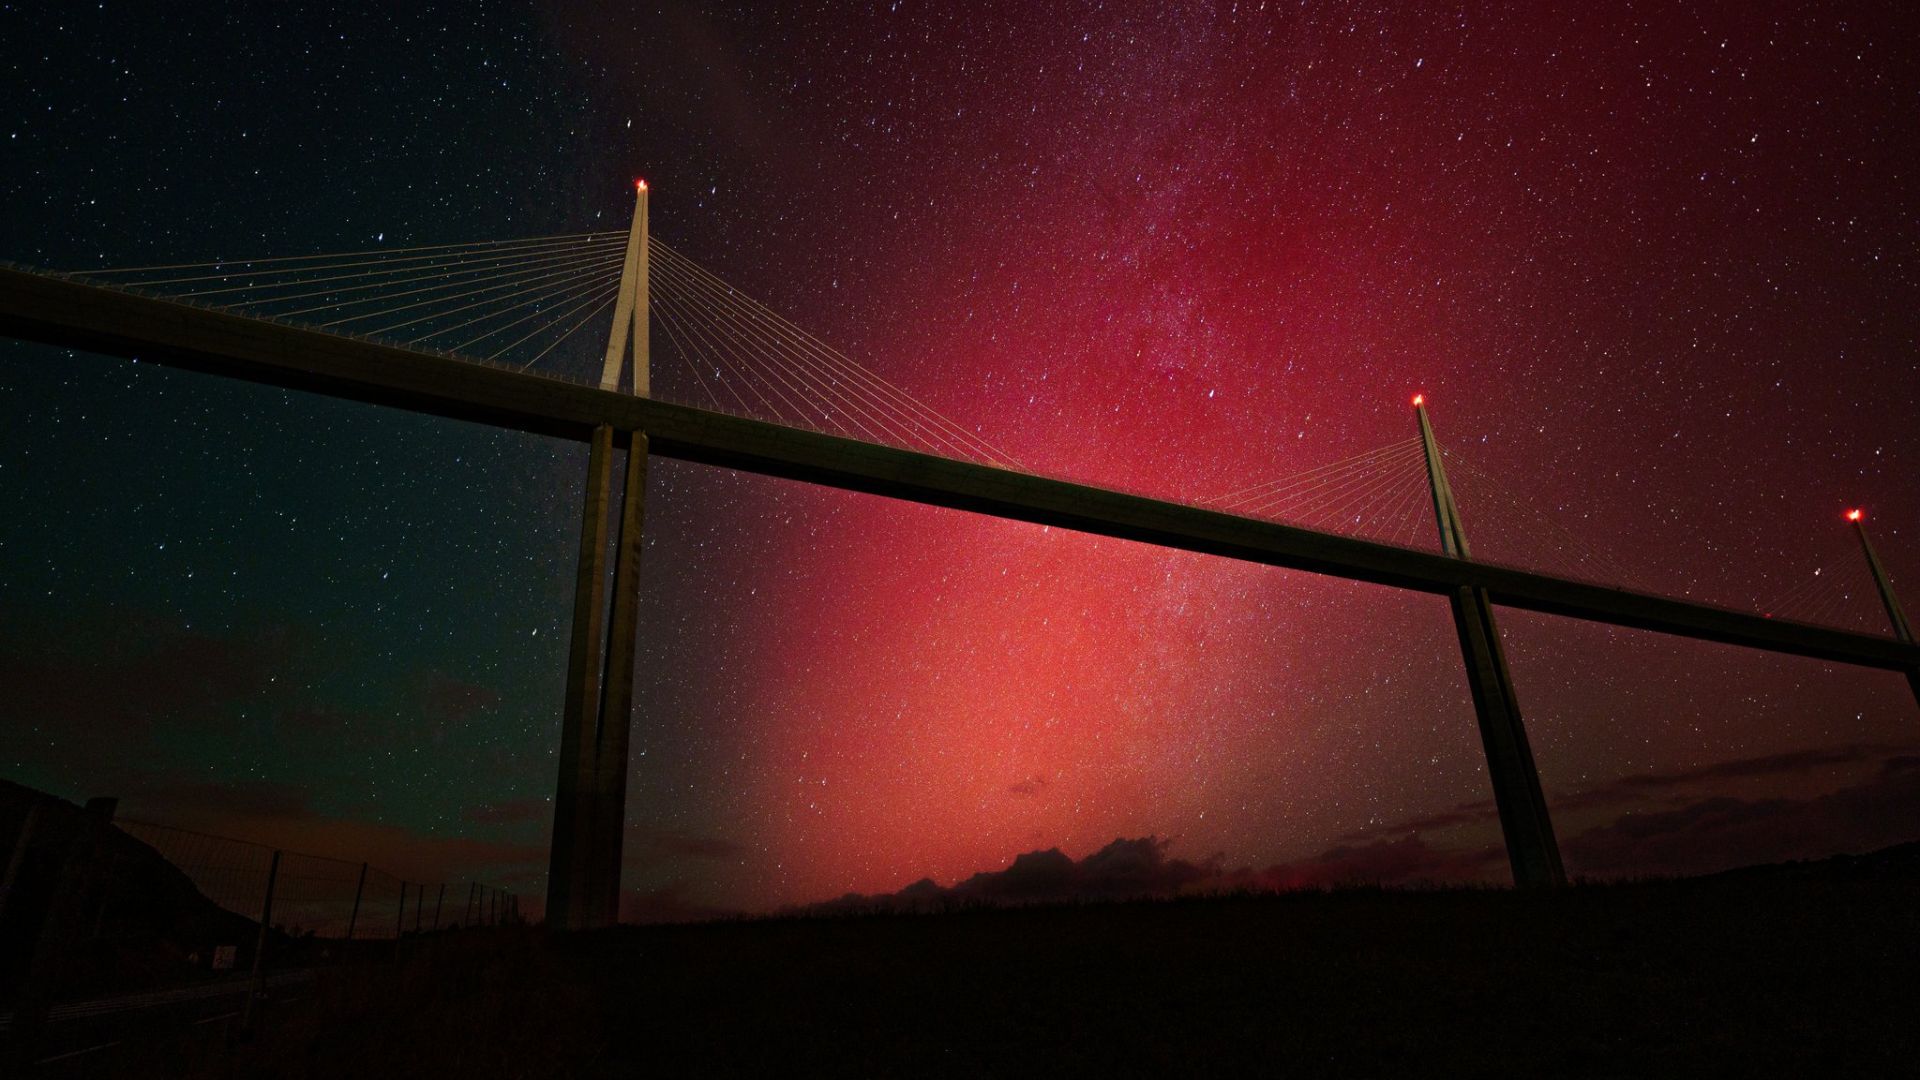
<point x="1899" y="863"/>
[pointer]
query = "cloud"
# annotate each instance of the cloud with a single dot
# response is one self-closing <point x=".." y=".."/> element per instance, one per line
<point x="649" y="847"/>
<point x="1403" y="860"/>
<point x="1701" y="835"/>
<point x="1472" y="813"/>
<point x="667" y="904"/>
<point x="1029" y="787"/>
<point x="1791" y="763"/>
<point x="281" y="815"/>
<point x="1121" y="870"/>
<point x="1721" y="832"/>
<point x="170" y="798"/>
<point x="1638" y="787"/>
<point x="131" y="676"/>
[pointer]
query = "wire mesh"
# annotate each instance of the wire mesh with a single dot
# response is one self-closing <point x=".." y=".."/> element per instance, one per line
<point x="317" y="896"/>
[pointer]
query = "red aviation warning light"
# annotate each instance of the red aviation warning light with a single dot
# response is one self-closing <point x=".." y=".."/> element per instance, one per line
<point x="639" y="186"/>
<point x="1419" y="400"/>
<point x="1855" y="515"/>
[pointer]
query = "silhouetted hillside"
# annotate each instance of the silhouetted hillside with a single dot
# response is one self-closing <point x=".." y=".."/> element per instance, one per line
<point x="1897" y="864"/>
<point x="122" y="917"/>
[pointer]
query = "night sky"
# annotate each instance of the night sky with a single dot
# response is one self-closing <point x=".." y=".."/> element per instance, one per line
<point x="1658" y="271"/>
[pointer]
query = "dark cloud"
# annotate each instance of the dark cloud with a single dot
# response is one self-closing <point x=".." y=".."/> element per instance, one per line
<point x="1029" y="787"/>
<point x="283" y="815"/>
<point x="131" y="676"/>
<point x="1641" y="786"/>
<point x="1128" y="869"/>
<point x="1701" y="836"/>
<point x="1721" y="832"/>
<point x="1399" y="861"/>
<point x="667" y="904"/>
<point x="649" y="847"/>
<point x="1123" y="869"/>
<point x="1792" y="763"/>
<point x="168" y="798"/>
<point x="1472" y="813"/>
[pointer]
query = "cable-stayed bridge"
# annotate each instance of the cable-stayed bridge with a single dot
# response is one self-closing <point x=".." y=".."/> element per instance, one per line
<point x="553" y="335"/>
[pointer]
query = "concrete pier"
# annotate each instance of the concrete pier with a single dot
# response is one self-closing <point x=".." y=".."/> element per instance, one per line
<point x="1532" y="851"/>
<point x="616" y="702"/>
<point x="1896" y="614"/>
<point x="572" y="814"/>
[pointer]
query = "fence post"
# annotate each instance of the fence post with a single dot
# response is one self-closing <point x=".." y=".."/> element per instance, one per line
<point x="259" y="989"/>
<point x="438" y="902"/>
<point x="354" y="916"/>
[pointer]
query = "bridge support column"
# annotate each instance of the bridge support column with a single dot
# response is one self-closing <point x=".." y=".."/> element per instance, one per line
<point x="1896" y="615"/>
<point x="590" y="805"/>
<point x="1532" y="851"/>
<point x="572" y="815"/>
<point x="616" y="698"/>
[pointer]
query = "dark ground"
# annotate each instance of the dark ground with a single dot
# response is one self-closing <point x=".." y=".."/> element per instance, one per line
<point x="1754" y="974"/>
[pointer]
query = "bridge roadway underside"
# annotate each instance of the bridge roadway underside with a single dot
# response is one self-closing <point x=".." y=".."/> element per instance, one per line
<point x="68" y="313"/>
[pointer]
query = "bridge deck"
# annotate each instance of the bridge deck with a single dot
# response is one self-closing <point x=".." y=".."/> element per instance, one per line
<point x="64" y="312"/>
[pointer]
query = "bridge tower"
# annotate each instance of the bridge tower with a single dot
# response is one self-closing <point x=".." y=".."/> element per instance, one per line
<point x="1531" y="848"/>
<point x="1896" y="615"/>
<point x="589" y="809"/>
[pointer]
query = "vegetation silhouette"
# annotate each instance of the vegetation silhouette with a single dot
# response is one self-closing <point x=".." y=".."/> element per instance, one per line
<point x="1792" y="968"/>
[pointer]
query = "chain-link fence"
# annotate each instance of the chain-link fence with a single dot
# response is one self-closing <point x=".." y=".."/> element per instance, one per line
<point x="319" y="897"/>
<point x="103" y="921"/>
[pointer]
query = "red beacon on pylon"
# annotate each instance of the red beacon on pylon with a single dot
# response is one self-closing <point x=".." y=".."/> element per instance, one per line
<point x="1419" y="400"/>
<point x="639" y="185"/>
<point x="1855" y="515"/>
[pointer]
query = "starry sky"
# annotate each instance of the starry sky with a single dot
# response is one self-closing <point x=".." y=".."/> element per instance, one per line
<point x="1654" y="267"/>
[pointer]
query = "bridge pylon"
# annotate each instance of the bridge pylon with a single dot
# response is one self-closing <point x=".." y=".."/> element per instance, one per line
<point x="590" y="802"/>
<point x="1532" y="850"/>
<point x="1896" y="615"/>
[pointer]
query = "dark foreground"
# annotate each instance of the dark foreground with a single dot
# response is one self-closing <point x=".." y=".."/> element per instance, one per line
<point x="1718" y="976"/>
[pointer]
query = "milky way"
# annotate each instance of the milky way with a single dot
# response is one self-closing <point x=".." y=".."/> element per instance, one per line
<point x="1655" y="271"/>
